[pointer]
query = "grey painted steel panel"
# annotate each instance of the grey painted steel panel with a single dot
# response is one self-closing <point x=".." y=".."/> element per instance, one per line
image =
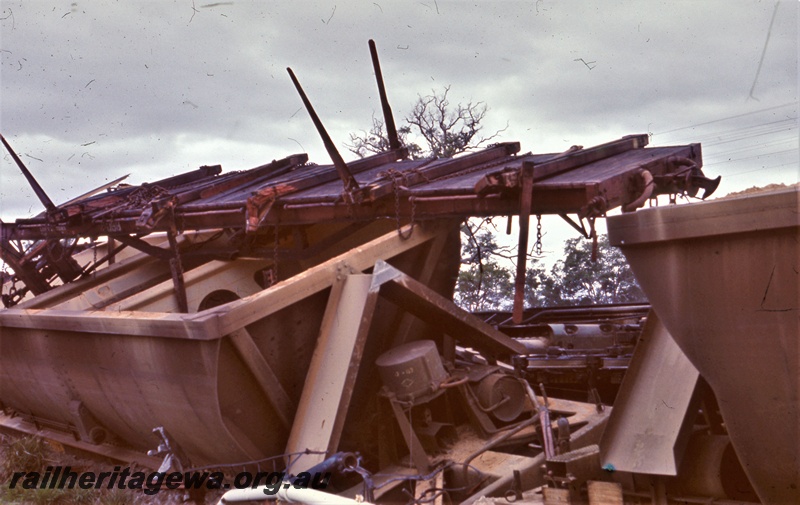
<point x="646" y="431"/>
<point x="724" y="276"/>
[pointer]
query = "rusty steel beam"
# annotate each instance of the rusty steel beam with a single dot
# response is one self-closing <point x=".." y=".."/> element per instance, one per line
<point x="573" y="158"/>
<point x="589" y="194"/>
<point x="176" y="267"/>
<point x="569" y="200"/>
<point x="388" y="118"/>
<point x="188" y="177"/>
<point x="436" y="169"/>
<point x="350" y="184"/>
<point x="46" y="201"/>
<point x="94" y="191"/>
<point x="582" y="157"/>
<point x="442" y="313"/>
<point x="88" y="201"/>
<point x="259" y="205"/>
<point x="24" y="270"/>
<point x="213" y="188"/>
<point x="526" y="197"/>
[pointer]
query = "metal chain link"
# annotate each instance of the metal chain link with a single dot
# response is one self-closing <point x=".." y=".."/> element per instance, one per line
<point x="396" y="176"/>
<point x="537" y="246"/>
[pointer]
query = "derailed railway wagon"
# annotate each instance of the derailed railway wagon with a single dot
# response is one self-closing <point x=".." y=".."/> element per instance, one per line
<point x="294" y="312"/>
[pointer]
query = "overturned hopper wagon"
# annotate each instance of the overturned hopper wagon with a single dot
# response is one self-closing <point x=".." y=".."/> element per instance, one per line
<point x="189" y="325"/>
<point x="294" y="312"/>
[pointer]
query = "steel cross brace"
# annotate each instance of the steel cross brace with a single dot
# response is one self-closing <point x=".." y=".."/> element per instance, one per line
<point x="330" y="382"/>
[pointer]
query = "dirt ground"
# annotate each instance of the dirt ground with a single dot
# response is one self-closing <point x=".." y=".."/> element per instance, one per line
<point x="28" y="454"/>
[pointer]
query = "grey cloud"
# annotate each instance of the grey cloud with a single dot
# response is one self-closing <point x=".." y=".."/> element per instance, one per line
<point x="158" y="84"/>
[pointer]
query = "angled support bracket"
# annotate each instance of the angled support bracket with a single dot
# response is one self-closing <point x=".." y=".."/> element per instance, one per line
<point x="655" y="409"/>
<point x="334" y="367"/>
<point x="578" y="226"/>
<point x="176" y="267"/>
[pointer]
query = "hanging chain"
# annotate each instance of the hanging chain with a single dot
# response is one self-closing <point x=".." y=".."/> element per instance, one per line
<point x="396" y="176"/>
<point x="537" y="246"/>
<point x="413" y="202"/>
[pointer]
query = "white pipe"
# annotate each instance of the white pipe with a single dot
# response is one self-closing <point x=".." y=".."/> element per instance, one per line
<point x="286" y="493"/>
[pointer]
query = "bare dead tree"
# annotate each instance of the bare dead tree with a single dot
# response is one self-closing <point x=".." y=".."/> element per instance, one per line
<point x="376" y="141"/>
<point x="437" y="128"/>
<point x="448" y="130"/>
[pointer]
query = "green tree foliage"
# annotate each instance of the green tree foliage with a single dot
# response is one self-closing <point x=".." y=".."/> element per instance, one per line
<point x="484" y="283"/>
<point x="486" y="286"/>
<point x="577" y="280"/>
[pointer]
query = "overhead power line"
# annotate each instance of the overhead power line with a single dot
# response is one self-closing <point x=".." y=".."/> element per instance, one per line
<point x="744" y="114"/>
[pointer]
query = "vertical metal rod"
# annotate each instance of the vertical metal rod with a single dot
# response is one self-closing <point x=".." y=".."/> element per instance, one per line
<point x="526" y="197"/>
<point x="416" y="452"/>
<point x="48" y="204"/>
<point x="176" y="268"/>
<point x="350" y="183"/>
<point x="517" y="487"/>
<point x="391" y="129"/>
<point x="112" y="257"/>
<point x="543" y="415"/>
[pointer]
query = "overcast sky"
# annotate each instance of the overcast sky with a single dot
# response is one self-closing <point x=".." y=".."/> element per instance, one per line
<point x="95" y="90"/>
